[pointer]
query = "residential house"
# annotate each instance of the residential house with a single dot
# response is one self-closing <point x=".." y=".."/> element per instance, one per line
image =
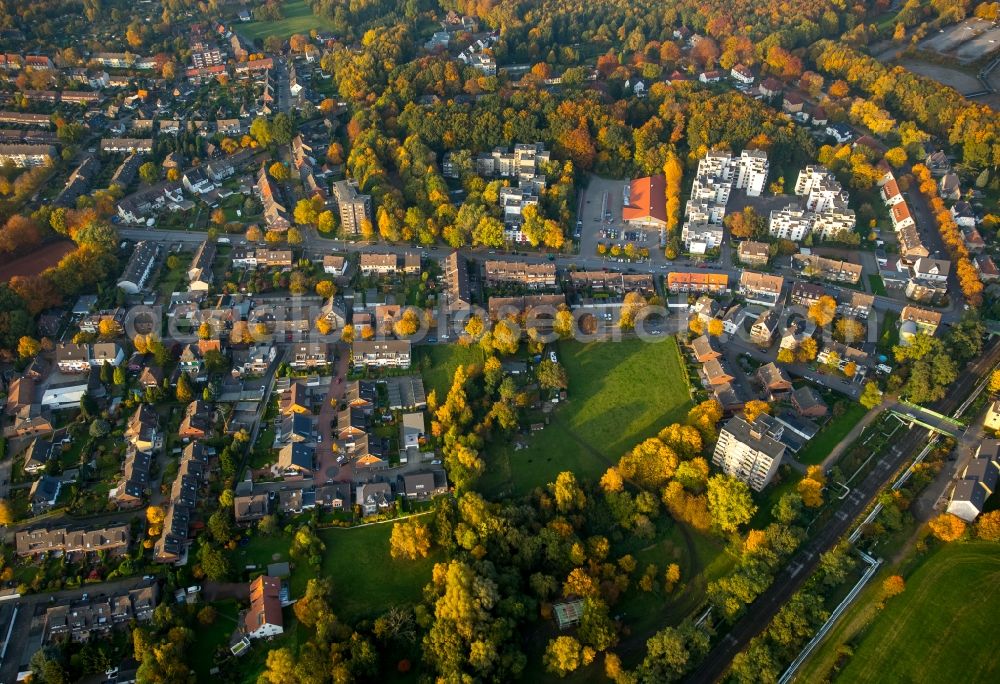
<point x="753" y="253"/>
<point x="924" y="321"/>
<point x="249" y="508"/>
<point x="992" y="421"/>
<point x="761" y="288"/>
<point x="140" y="267"/>
<point x="26" y="155"/>
<point x="309" y="355"/>
<point x="297" y="458"/>
<point x="928" y="280"/>
<point x="774" y="380"/>
<point x="828" y="269"/>
<point x="295" y="400"/>
<point x="949" y="187"/>
<point x="264" y="619"/>
<point x="979" y="481"/>
<point x="806" y="294"/>
<point x="75" y="542"/>
<point x="199" y="273"/>
<point x="334" y="264"/>
<point x="411" y="432"/>
<point x="456" y="278"/>
<point x="764" y="328"/>
<point x="381" y="354"/>
<point x="37" y="455"/>
<point x="132" y="487"/>
<point x="374" y="497"/>
<point x="706" y="348"/>
<point x="808" y="403"/>
<point x="141" y="431"/>
<point x="678" y="282"/>
<point x="717" y="372"/>
<point x="421" y="485"/>
<point x="197" y="421"/>
<point x="33" y="419"/>
<point x="20" y="393"/>
<point x="43" y="493"/>
<point x="336" y="496"/>
<point x="518" y="272"/>
<point x="750" y="452"/>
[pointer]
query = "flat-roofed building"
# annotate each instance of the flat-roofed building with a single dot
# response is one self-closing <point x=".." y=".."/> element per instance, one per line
<point x="750" y="452"/>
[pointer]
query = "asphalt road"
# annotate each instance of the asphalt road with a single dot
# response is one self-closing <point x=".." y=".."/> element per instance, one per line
<point x="759" y="614"/>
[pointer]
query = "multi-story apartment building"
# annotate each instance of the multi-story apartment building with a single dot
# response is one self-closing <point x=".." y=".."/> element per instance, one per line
<point x="381" y="354"/>
<point x="751" y="171"/>
<point x="354" y="208"/>
<point x="820" y="188"/>
<point x="791" y="223"/>
<point x="750" y="452"/>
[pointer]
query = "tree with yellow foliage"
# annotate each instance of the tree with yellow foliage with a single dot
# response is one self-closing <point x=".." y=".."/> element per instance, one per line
<point x="810" y="488"/>
<point x="612" y="480"/>
<point x="988" y="526"/>
<point x="754" y="408"/>
<point x="671" y="577"/>
<point x="823" y="310"/>
<point x="947" y="527"/>
<point x="696" y="325"/>
<point x="411" y="540"/>
<point x="347" y="333"/>
<point x="715" y="327"/>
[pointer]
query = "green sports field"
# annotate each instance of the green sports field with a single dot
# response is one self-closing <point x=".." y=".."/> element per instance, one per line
<point x="942" y="628"/>
<point x="298" y="18"/>
<point x="619" y="394"/>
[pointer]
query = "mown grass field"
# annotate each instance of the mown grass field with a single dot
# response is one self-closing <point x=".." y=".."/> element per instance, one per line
<point x="619" y="394"/>
<point x="437" y="364"/>
<point x="939" y="629"/>
<point x="367" y="581"/>
<point x="297" y="18"/>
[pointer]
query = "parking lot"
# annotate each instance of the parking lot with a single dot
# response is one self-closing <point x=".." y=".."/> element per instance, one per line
<point x="967" y="40"/>
<point x="600" y="219"/>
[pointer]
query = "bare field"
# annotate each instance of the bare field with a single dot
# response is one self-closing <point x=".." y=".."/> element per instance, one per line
<point x="36" y="262"/>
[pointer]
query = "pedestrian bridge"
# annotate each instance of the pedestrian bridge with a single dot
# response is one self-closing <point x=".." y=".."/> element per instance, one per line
<point x="925" y="417"/>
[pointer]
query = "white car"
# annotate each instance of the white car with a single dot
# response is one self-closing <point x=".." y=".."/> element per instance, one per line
<point x="553" y="358"/>
<point x="194" y="589"/>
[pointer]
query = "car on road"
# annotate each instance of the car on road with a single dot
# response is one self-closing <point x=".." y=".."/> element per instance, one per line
<point x="194" y="589"/>
<point x="553" y="358"/>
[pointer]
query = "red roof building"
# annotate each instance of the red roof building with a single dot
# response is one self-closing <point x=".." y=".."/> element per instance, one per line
<point x="647" y="202"/>
<point x="264" y="618"/>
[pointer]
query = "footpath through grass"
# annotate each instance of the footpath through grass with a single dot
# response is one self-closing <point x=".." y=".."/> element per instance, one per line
<point x="297" y="17"/>
<point x="938" y="629"/>
<point x="619" y="394"/>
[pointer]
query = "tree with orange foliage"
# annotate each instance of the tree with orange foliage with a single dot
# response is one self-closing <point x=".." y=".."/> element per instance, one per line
<point x="705" y="53"/>
<point x="988" y="526"/>
<point x="893" y="585"/>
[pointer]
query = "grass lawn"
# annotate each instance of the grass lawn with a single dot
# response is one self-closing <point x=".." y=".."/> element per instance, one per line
<point x="878" y="287"/>
<point x="367" y="581"/>
<point x="767" y="499"/>
<point x="936" y="627"/>
<point x="437" y="364"/>
<point x="297" y="17"/>
<point x="210" y="637"/>
<point x="820" y="446"/>
<point x="619" y="394"/>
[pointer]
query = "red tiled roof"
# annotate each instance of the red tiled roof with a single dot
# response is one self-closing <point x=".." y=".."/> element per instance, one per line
<point x="647" y="199"/>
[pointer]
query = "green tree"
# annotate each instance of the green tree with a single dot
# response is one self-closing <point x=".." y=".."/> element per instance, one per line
<point x="213" y="562"/>
<point x="872" y="395"/>
<point x="185" y="392"/>
<point x="729" y="502"/>
<point x="562" y="655"/>
<point x="149" y="172"/>
<point x="260" y="130"/>
<point x="551" y="375"/>
<point x="119" y="376"/>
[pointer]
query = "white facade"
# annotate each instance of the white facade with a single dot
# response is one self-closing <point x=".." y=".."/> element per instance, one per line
<point x="791" y="223"/>
<point x="829" y="222"/>
<point x="751" y="171"/>
<point x="750" y="452"/>
<point x="699" y="237"/>
<point x="821" y="190"/>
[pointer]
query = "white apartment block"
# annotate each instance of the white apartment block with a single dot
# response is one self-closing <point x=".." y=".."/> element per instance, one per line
<point x="791" y="223"/>
<point x="523" y="162"/>
<point x="718" y="163"/>
<point x="821" y="190"/>
<point x="751" y="172"/>
<point x="699" y="237"/>
<point x="829" y="222"/>
<point x="513" y="201"/>
<point x="750" y="452"/>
